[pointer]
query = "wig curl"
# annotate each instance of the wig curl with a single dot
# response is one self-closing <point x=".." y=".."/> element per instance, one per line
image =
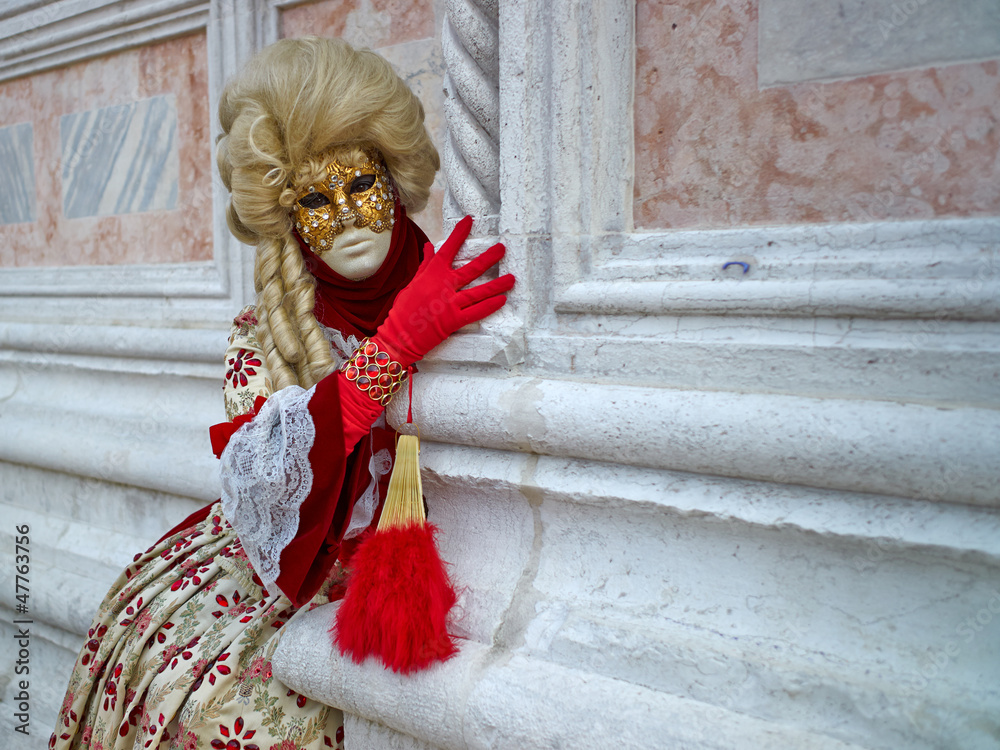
<point x="295" y="106"/>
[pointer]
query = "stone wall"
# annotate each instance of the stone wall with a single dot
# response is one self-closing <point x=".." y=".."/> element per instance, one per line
<point x="721" y="474"/>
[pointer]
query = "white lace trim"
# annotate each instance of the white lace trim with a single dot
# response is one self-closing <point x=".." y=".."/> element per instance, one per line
<point x="266" y="476"/>
<point x="343" y="347"/>
<point x="364" y="509"/>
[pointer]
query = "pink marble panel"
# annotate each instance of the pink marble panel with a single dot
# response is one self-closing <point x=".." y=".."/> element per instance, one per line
<point x="711" y="150"/>
<point x="177" y="67"/>
<point x="406" y="33"/>
<point x="377" y="23"/>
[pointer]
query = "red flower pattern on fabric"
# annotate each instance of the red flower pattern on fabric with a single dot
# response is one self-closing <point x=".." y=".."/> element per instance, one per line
<point x="248" y="318"/>
<point x="66" y="711"/>
<point x="232" y="740"/>
<point x="222" y="669"/>
<point x="143" y="621"/>
<point x="256" y="668"/>
<point x="241" y="366"/>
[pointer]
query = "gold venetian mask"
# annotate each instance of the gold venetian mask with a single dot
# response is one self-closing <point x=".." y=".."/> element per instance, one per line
<point x="362" y="193"/>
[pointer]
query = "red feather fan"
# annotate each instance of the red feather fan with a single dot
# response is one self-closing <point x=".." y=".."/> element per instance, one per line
<point x="398" y="591"/>
<point x="397" y="602"/>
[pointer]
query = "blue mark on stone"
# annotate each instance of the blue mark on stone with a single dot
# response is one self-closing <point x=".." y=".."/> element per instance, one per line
<point x="17" y="174"/>
<point x="745" y="266"/>
<point x="120" y="160"/>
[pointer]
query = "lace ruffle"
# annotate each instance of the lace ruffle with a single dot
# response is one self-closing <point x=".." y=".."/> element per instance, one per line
<point x="364" y="509"/>
<point x="342" y="347"/>
<point x="266" y="476"/>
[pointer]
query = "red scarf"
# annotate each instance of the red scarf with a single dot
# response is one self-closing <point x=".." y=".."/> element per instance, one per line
<point x="358" y="307"/>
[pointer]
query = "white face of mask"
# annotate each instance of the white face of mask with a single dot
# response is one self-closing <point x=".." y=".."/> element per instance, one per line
<point x="357" y="252"/>
<point x="346" y="217"/>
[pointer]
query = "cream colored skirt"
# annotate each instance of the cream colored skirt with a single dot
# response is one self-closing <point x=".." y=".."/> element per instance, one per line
<point x="179" y="656"/>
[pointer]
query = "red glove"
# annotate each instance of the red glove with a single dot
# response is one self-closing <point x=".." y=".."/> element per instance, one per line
<point x="431" y="307"/>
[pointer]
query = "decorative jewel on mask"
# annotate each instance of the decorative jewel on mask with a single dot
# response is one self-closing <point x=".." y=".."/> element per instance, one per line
<point x="364" y="193"/>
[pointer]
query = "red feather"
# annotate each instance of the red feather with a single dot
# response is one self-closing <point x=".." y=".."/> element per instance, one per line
<point x="397" y="601"/>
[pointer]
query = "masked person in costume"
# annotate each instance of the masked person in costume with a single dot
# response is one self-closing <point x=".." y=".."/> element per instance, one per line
<point x="324" y="151"/>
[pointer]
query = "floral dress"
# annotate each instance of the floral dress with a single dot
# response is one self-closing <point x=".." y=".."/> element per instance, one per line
<point x="179" y="653"/>
<point x="179" y="656"/>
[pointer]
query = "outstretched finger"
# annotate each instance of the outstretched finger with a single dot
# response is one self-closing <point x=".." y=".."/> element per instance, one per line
<point x="428" y="255"/>
<point x="478" y="265"/>
<point x="473" y="295"/>
<point x="481" y="309"/>
<point x="455" y="240"/>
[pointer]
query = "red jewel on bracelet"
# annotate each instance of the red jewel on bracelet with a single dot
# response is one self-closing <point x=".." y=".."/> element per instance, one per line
<point x="374" y="372"/>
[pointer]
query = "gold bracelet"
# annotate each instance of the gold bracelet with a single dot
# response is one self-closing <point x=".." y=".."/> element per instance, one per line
<point x="374" y="372"/>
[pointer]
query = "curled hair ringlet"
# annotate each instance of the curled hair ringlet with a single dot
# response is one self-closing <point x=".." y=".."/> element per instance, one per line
<point x="295" y="105"/>
<point x="275" y="177"/>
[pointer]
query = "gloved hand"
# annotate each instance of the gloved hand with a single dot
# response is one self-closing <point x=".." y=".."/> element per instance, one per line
<point x="431" y="307"/>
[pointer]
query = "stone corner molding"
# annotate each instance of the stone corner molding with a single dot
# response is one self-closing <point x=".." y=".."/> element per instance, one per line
<point x="895" y="449"/>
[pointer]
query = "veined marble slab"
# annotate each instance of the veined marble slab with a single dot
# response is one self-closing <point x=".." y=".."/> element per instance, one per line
<point x="816" y="40"/>
<point x="17" y="174"/>
<point x="121" y="159"/>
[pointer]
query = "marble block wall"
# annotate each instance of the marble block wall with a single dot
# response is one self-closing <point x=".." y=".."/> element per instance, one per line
<point x="17" y="203"/>
<point x="107" y="224"/>
<point x="108" y="161"/>
<point x="711" y="481"/>
<point x="715" y="149"/>
<point x="120" y="160"/>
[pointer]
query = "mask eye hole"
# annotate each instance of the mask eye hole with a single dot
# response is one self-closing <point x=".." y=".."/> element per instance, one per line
<point x="362" y="183"/>
<point x="314" y="200"/>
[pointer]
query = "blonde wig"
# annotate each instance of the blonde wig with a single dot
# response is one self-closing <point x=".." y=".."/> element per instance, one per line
<point x="295" y="106"/>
